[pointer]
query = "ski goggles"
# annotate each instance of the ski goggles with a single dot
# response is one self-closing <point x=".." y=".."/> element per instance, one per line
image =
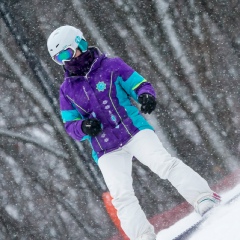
<point x="65" y="55"/>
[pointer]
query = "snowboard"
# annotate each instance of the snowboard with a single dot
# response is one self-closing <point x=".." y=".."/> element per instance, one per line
<point x="187" y="233"/>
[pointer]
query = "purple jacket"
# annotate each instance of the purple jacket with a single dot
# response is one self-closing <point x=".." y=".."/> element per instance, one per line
<point x="104" y="93"/>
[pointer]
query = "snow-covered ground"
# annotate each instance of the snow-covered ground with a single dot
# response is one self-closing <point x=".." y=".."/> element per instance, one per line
<point x="223" y="222"/>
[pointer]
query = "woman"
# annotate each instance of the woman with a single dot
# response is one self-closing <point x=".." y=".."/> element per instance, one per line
<point x="95" y="102"/>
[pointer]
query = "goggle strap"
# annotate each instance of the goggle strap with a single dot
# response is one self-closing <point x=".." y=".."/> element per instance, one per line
<point x="83" y="45"/>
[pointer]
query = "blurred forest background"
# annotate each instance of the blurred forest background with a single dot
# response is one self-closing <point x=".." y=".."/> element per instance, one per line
<point x="50" y="188"/>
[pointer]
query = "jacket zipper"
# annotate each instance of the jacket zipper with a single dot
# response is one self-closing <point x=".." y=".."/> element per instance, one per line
<point x="116" y="108"/>
<point x="86" y="76"/>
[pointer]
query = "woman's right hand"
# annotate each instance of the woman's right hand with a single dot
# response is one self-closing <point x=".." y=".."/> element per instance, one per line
<point x="91" y="127"/>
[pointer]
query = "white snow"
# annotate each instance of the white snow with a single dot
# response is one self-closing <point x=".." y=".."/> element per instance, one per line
<point x="223" y="222"/>
<point x="12" y="211"/>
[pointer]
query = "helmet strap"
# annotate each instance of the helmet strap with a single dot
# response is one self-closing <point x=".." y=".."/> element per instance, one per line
<point x="83" y="45"/>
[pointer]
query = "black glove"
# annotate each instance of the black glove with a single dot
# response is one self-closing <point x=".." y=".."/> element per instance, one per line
<point x="148" y="103"/>
<point x="91" y="127"/>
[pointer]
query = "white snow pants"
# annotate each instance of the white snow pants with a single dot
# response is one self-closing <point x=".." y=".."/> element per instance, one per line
<point x="116" y="168"/>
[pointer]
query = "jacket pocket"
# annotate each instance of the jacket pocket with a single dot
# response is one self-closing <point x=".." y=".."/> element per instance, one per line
<point x="105" y="140"/>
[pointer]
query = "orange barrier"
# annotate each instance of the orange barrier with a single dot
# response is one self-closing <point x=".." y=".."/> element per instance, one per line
<point x="112" y="212"/>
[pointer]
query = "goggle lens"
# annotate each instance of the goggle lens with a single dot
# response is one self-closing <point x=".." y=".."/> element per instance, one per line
<point x="65" y="55"/>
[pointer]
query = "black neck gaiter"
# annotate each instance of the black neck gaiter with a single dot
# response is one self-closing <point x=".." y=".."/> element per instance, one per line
<point x="80" y="65"/>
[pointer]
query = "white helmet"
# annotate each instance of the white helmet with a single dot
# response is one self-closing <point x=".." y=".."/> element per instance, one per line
<point x="66" y="36"/>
